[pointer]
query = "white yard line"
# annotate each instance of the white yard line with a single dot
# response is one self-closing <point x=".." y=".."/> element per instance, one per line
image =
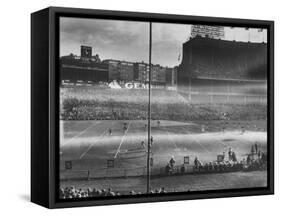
<point x="90" y="146"/>
<point x="80" y="133"/>
<point x="118" y="149"/>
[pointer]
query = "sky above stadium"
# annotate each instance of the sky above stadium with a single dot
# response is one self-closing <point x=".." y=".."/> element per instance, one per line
<point x="128" y="40"/>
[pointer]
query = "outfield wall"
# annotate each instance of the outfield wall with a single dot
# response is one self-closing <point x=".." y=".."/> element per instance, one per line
<point x="231" y="91"/>
<point x="219" y="71"/>
<point x="223" y="59"/>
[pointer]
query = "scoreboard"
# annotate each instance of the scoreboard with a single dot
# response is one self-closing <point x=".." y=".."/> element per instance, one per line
<point x="86" y="52"/>
<point x="216" y="32"/>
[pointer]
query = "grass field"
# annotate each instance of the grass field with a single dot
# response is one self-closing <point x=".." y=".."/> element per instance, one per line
<point x="89" y="145"/>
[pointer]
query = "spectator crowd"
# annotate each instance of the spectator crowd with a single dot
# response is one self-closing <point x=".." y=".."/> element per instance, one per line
<point x="81" y="109"/>
<point x="96" y="103"/>
<point x="72" y="192"/>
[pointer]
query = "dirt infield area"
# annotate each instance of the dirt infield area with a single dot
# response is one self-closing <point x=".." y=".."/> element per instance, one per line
<point x="89" y="145"/>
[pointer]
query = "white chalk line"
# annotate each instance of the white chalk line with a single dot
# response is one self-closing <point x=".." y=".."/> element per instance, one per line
<point x="170" y="138"/>
<point x="203" y="147"/>
<point x="91" y="145"/>
<point x="118" y="149"/>
<point x="80" y="133"/>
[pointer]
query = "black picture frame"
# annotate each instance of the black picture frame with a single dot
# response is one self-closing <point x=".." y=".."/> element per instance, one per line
<point x="45" y="106"/>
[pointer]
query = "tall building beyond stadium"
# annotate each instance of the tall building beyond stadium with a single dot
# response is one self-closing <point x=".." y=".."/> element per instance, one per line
<point x="90" y="69"/>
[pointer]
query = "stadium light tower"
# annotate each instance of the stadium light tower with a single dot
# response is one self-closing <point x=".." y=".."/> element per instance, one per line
<point x="149" y="113"/>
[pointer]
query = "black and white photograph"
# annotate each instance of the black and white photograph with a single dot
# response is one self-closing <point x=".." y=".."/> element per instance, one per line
<point x="139" y="108"/>
<point x="158" y="108"/>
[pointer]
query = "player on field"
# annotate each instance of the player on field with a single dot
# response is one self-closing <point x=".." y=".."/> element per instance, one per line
<point x="145" y="127"/>
<point x="203" y="128"/>
<point x="253" y="149"/>
<point x="230" y="154"/>
<point x="110" y="131"/>
<point x="223" y="128"/>
<point x="197" y="163"/>
<point x="172" y="162"/>
<point x="124" y="129"/>
<point x="158" y="123"/>
<point x="234" y="158"/>
<point x="256" y="147"/>
<point x="242" y="129"/>
<point x="142" y="144"/>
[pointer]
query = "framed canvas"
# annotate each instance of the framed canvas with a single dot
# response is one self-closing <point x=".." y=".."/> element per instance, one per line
<point x="139" y="107"/>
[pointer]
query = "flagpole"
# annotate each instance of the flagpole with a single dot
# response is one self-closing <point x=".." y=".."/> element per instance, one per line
<point x="149" y="112"/>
